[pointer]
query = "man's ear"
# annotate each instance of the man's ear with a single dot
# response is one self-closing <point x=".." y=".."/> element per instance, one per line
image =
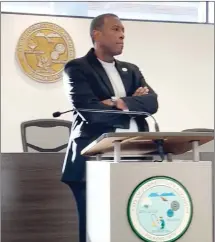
<point x="96" y="35"/>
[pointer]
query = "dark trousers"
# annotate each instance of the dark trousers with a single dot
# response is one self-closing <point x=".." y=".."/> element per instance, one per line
<point x="79" y="192"/>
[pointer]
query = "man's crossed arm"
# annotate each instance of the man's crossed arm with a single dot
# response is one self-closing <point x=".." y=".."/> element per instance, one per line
<point x="81" y="96"/>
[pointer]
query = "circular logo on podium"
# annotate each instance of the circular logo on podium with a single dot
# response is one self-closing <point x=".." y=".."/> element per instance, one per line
<point x="43" y="50"/>
<point x="160" y="210"/>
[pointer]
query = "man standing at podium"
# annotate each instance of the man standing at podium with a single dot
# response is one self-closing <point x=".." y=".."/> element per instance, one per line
<point x="99" y="81"/>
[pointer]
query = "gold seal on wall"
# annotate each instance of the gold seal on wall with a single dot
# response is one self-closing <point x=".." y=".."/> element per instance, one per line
<point x="43" y="50"/>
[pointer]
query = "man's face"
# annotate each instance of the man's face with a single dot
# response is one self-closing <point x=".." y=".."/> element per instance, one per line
<point x="111" y="36"/>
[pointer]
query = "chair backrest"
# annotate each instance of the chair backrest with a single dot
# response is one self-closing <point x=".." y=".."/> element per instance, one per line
<point x="45" y="135"/>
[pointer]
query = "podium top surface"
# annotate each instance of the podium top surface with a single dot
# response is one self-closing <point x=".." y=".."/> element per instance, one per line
<point x="139" y="143"/>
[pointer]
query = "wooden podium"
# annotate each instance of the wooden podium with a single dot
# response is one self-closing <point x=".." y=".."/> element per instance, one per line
<point x="131" y="198"/>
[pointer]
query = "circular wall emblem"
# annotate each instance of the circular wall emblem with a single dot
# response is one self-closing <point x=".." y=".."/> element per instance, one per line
<point x="43" y="50"/>
<point x="160" y="209"/>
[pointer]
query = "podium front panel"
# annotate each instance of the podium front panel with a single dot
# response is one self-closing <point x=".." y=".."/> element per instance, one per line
<point x="195" y="178"/>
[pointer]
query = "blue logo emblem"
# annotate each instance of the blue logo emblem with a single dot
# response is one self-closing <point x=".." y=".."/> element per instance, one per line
<point x="160" y="210"/>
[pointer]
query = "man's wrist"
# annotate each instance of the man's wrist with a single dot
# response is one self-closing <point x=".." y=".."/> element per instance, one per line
<point x="118" y="103"/>
<point x="114" y="101"/>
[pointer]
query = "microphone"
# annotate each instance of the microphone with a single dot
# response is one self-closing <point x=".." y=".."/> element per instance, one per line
<point x="159" y="142"/>
<point x="58" y="114"/>
<point x="156" y="126"/>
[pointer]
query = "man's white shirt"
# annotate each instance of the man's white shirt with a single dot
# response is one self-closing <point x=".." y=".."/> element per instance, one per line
<point x="119" y="90"/>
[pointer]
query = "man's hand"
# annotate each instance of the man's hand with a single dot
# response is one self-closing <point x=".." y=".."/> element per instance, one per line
<point x="141" y="91"/>
<point x="108" y="102"/>
<point x="120" y="104"/>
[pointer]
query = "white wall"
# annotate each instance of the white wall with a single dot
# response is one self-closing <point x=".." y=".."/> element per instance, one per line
<point x="176" y="59"/>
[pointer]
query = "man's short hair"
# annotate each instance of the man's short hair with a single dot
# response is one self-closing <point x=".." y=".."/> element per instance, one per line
<point x="98" y="22"/>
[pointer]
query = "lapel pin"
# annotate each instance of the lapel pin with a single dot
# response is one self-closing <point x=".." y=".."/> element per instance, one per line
<point x="124" y="69"/>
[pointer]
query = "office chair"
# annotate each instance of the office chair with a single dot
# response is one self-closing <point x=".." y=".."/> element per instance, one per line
<point x="45" y="135"/>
